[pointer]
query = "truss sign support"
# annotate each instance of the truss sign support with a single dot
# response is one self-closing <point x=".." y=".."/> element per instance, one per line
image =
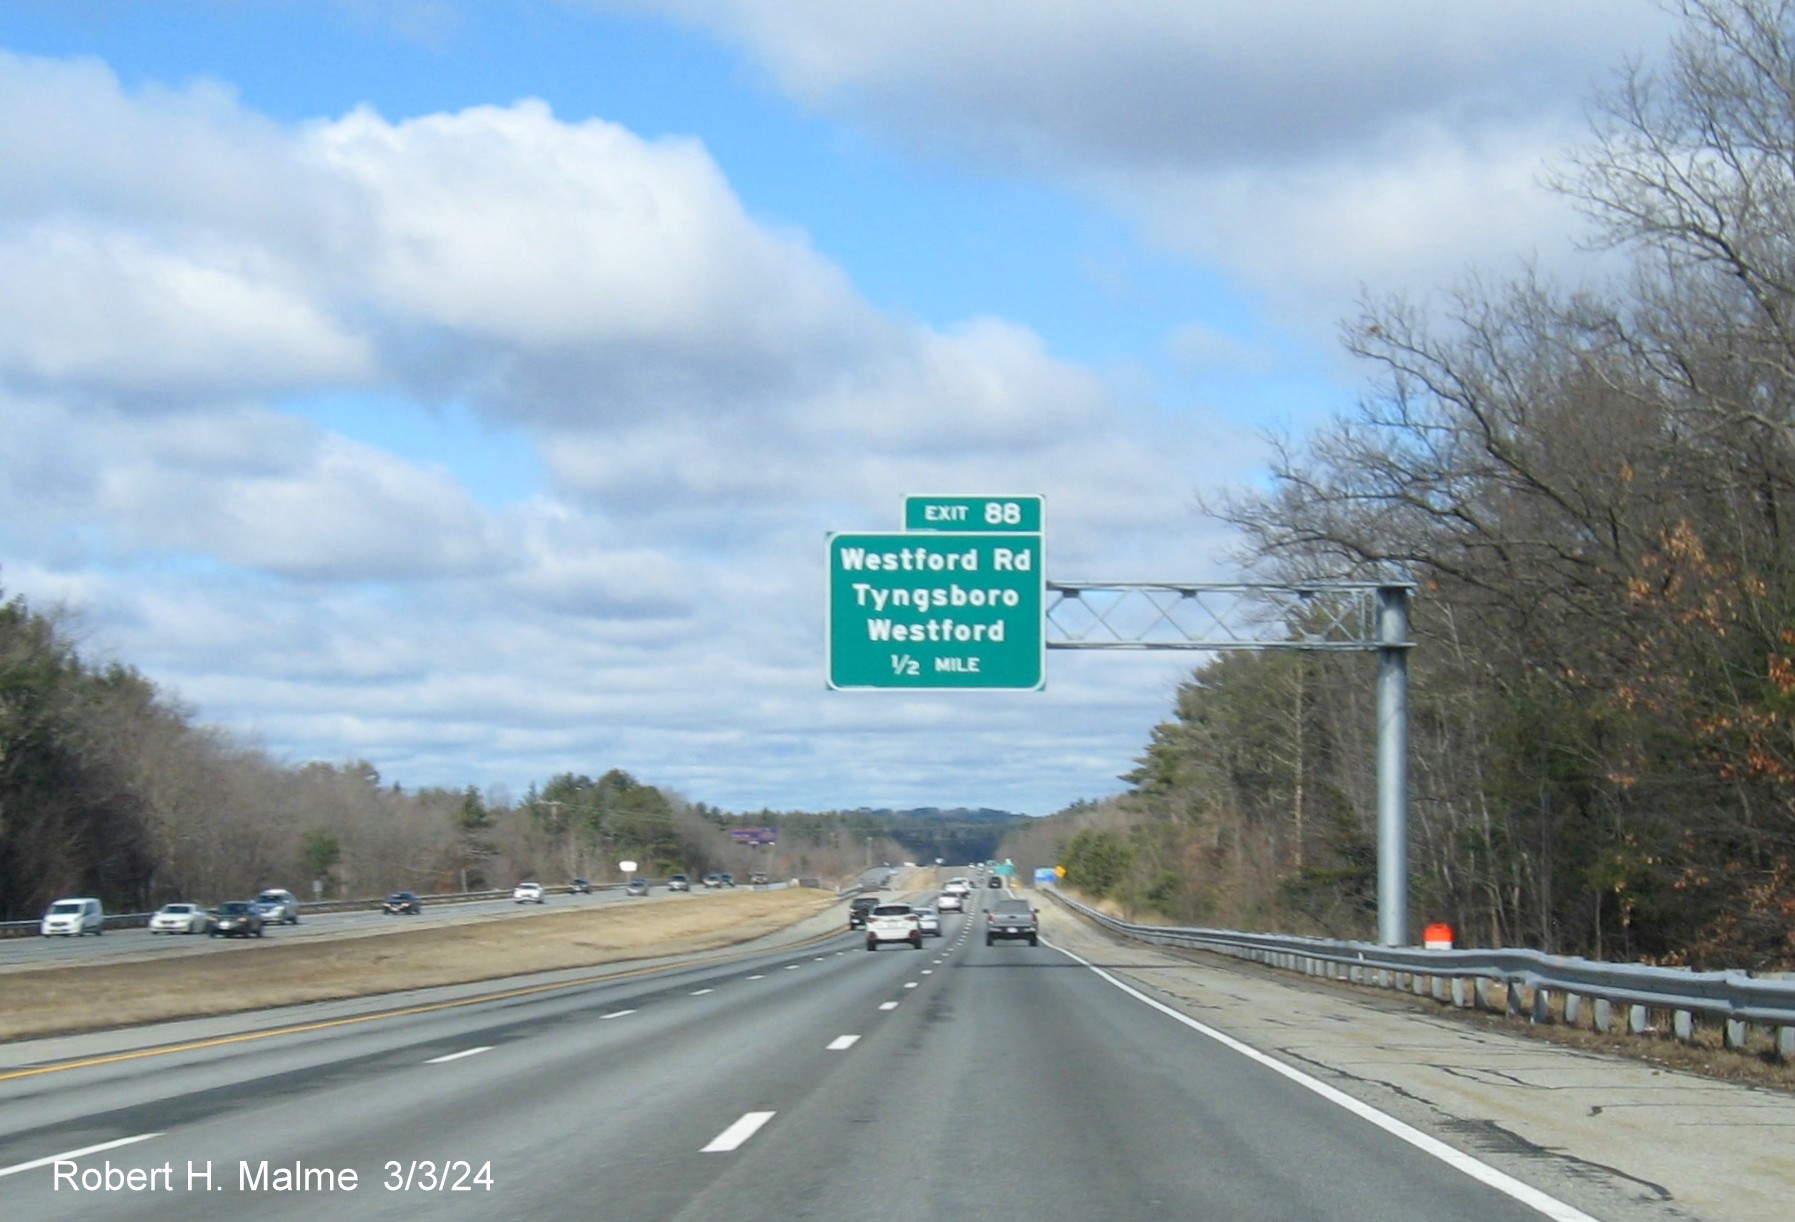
<point x="1367" y="617"/>
<point x="958" y="600"/>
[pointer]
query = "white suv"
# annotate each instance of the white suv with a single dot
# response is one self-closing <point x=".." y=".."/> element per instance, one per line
<point x="893" y="923"/>
<point x="528" y="893"/>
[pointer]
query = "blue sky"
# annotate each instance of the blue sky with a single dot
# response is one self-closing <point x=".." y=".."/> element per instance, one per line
<point x="469" y="386"/>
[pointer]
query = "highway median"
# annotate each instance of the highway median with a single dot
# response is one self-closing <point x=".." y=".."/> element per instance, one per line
<point x="258" y="975"/>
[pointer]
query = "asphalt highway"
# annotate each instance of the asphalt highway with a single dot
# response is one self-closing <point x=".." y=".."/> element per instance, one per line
<point x="120" y="945"/>
<point x="820" y="1080"/>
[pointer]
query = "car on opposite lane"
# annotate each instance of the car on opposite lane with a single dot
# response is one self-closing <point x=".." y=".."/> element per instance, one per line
<point x="637" y="886"/>
<point x="402" y="903"/>
<point x="679" y="882"/>
<point x="236" y="919"/>
<point x="580" y="886"/>
<point x="528" y="893"/>
<point x="179" y="918"/>
<point x="893" y="923"/>
<point x="277" y="907"/>
<point x="74" y="916"/>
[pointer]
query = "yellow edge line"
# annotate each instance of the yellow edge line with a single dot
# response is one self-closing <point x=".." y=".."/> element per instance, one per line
<point x="222" y="1041"/>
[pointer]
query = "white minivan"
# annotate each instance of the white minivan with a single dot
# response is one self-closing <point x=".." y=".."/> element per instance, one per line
<point x="73" y="916"/>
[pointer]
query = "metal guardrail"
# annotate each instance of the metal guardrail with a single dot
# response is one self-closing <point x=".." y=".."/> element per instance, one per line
<point x="1530" y="982"/>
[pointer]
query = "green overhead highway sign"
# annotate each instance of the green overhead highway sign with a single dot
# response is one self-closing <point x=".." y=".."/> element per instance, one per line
<point x="936" y="611"/>
<point x="1021" y="514"/>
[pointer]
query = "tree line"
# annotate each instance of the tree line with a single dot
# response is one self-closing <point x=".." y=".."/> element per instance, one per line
<point x="110" y="788"/>
<point x="1594" y="489"/>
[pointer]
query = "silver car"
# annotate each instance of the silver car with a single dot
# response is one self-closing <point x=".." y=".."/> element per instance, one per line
<point x="278" y="907"/>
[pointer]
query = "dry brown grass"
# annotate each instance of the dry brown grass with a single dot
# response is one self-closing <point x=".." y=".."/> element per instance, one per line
<point x="254" y="975"/>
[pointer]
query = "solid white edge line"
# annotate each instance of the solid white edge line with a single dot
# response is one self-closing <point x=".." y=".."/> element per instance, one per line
<point x="842" y="1043"/>
<point x="456" y="1056"/>
<point x="737" y="1133"/>
<point x="1502" y="1182"/>
<point x="71" y="1155"/>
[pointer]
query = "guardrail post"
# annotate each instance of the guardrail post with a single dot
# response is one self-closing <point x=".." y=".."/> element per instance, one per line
<point x="1637" y="1020"/>
<point x="1682" y="1024"/>
<point x="1738" y="1033"/>
<point x="1573" y="1009"/>
<point x="1604" y="1015"/>
<point x="1541" y="1012"/>
<point x="1785" y="1044"/>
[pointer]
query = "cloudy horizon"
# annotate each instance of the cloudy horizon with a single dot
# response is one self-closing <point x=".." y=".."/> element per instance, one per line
<point x="470" y="388"/>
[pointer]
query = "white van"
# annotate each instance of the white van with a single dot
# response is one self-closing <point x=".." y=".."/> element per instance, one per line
<point x="74" y="916"/>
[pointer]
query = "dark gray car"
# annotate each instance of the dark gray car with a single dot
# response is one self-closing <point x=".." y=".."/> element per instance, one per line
<point x="236" y="919"/>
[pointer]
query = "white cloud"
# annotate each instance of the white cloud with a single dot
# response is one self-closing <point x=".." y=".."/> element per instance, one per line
<point x="115" y="312"/>
<point x="710" y="396"/>
<point x="1305" y="149"/>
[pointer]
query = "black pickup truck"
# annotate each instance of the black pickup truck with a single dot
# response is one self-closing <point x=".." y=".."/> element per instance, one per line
<point x="1011" y="920"/>
<point x="858" y="907"/>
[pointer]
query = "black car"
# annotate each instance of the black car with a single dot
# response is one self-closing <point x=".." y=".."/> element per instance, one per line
<point x="579" y="886"/>
<point x="235" y="919"/>
<point x="995" y="882"/>
<point x="402" y="903"/>
<point x="858" y="907"/>
<point x="726" y="880"/>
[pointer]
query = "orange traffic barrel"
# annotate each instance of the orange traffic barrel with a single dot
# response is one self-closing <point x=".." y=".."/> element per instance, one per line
<point x="1437" y="937"/>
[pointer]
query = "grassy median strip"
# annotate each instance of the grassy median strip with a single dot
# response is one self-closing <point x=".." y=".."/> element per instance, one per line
<point x="256" y="975"/>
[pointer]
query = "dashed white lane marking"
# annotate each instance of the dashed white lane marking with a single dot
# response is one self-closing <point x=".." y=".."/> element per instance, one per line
<point x="70" y="1155"/>
<point x="928" y="971"/>
<point x="791" y="967"/>
<point x="615" y="1014"/>
<point x="737" y="1133"/>
<point x="909" y="984"/>
<point x="842" y="1043"/>
<point x="701" y="992"/>
<point x="456" y="1056"/>
<point x="888" y="1005"/>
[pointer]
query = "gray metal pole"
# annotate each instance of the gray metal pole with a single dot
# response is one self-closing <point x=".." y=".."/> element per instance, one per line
<point x="1392" y="765"/>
